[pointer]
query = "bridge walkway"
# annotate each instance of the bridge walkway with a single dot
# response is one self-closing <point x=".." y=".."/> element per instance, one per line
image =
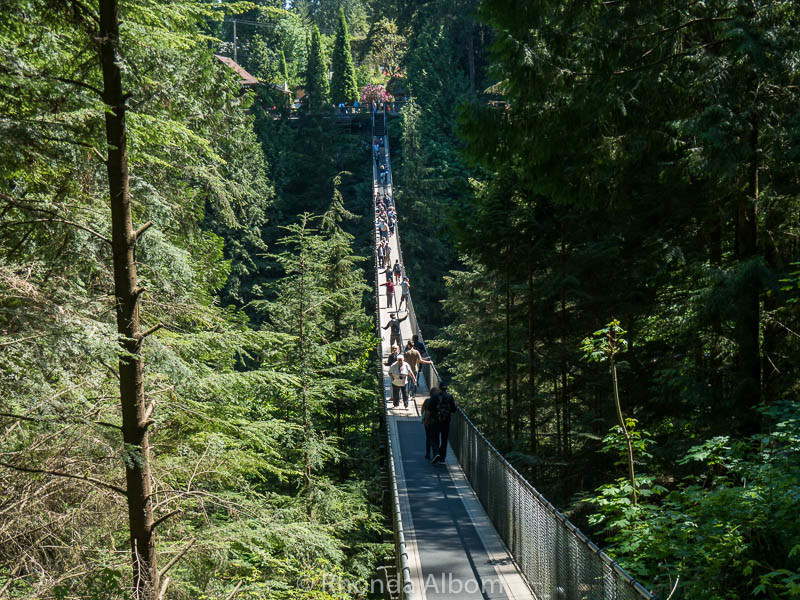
<point x="454" y="551"/>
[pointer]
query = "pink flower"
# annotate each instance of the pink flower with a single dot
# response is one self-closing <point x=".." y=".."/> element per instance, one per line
<point x="374" y="93"/>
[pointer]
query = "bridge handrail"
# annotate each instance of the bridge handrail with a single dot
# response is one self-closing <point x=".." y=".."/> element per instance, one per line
<point x="562" y="569"/>
<point x="565" y="565"/>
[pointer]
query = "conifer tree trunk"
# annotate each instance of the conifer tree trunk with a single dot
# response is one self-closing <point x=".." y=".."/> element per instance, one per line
<point x="304" y="400"/>
<point x="749" y="324"/>
<point x="533" y="445"/>
<point x="508" y="359"/>
<point x="471" y="58"/>
<point x="126" y="292"/>
<point x="564" y="397"/>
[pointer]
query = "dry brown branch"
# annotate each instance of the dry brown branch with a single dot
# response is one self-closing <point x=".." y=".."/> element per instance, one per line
<point x="235" y="591"/>
<point x="176" y="558"/>
<point x="97" y="482"/>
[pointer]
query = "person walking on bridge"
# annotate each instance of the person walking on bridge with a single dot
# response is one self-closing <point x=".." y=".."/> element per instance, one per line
<point x="397" y="270"/>
<point x="441" y="407"/>
<point x="389" y="293"/>
<point x="413" y="359"/>
<point x="399" y="373"/>
<point x="394" y="323"/>
<point x="395" y="352"/>
<point x="405" y="285"/>
<point x="426" y="422"/>
<point x="423" y="352"/>
<point x="381" y="254"/>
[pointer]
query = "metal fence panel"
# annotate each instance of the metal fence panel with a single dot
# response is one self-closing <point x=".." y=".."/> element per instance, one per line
<point x="559" y="562"/>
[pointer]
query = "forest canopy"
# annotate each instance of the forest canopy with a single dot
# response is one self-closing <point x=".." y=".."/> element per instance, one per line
<point x="600" y="207"/>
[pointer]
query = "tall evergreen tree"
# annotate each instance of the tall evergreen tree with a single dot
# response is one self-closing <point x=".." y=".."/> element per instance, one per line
<point x="343" y="85"/>
<point x="317" y="73"/>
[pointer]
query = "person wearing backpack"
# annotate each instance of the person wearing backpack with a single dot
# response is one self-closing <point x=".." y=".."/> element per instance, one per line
<point x="441" y="407"/>
<point x="426" y="422"/>
<point x="398" y="270"/>
<point x="394" y="323"/>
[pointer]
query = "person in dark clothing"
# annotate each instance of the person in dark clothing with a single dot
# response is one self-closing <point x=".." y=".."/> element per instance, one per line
<point x="425" y="369"/>
<point x="420" y="346"/>
<point x="381" y="254"/>
<point x="441" y="407"/>
<point x="398" y="271"/>
<point x="394" y="323"/>
<point x="426" y="421"/>
<point x="393" y="356"/>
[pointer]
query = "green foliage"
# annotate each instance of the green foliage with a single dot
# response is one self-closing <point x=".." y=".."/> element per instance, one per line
<point x="343" y="85"/>
<point x="605" y="343"/>
<point x="728" y="530"/>
<point x="386" y="45"/>
<point x="620" y="156"/>
<point x="325" y="15"/>
<point x="229" y="445"/>
<point x="316" y="73"/>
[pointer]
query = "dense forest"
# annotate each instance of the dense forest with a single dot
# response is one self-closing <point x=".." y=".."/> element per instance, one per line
<point x="600" y="214"/>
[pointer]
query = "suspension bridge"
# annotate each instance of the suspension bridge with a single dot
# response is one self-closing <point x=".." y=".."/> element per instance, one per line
<point x="471" y="527"/>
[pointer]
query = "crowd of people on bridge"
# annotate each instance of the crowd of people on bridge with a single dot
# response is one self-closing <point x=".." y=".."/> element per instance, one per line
<point x="406" y="367"/>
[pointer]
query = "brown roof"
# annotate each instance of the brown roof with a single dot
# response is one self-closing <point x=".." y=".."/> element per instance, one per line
<point x="247" y="79"/>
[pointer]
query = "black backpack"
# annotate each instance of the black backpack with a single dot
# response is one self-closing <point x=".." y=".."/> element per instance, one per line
<point x="444" y="408"/>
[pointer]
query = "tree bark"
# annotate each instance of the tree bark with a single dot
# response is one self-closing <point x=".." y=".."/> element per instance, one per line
<point x="564" y="398"/>
<point x="533" y="446"/>
<point x="508" y="360"/>
<point x="126" y="292"/>
<point x="748" y="393"/>
<point x="471" y="59"/>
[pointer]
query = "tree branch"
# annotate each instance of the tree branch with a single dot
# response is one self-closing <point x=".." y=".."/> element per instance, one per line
<point x="109" y="367"/>
<point x="235" y="590"/>
<point x="66" y="422"/>
<point x="74" y="224"/>
<point x="150" y="331"/>
<point x="149" y="411"/>
<point x="667" y="59"/>
<point x="165" y="517"/>
<point x="138" y="233"/>
<point x="109" y="486"/>
<point x="20" y="340"/>
<point x="163" y="588"/>
<point x="176" y="558"/>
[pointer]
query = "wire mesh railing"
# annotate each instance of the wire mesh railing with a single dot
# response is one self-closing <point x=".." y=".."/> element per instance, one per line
<point x="557" y="560"/>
